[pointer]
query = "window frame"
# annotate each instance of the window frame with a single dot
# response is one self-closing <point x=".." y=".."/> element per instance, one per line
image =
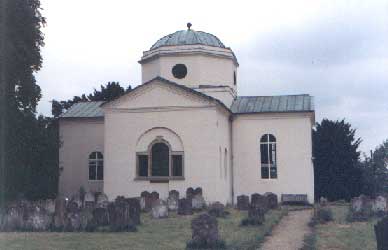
<point x="271" y="155"/>
<point x="96" y="161"/>
<point x="148" y="153"/>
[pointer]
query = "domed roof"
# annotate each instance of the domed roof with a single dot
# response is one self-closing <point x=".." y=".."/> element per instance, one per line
<point x="188" y="37"/>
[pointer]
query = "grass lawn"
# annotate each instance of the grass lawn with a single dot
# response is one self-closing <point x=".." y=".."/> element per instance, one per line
<point x="341" y="235"/>
<point x="171" y="233"/>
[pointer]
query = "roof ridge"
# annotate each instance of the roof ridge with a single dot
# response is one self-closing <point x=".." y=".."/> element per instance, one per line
<point x="252" y="96"/>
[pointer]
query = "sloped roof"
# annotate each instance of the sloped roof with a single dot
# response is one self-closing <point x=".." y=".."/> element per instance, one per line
<point x="84" y="110"/>
<point x="273" y="104"/>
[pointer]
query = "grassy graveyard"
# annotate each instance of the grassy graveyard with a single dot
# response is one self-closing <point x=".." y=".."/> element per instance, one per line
<point x="153" y="234"/>
<point x="342" y="235"/>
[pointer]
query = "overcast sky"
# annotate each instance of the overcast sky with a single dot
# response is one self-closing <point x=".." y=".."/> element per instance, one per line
<point x="335" y="51"/>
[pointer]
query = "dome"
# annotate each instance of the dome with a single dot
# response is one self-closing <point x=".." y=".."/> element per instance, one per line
<point x="188" y="37"/>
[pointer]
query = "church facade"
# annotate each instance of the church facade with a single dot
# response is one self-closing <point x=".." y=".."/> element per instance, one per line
<point x="185" y="126"/>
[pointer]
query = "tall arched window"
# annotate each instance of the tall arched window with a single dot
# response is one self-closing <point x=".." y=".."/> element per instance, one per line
<point x="268" y="157"/>
<point x="96" y="166"/>
<point x="160" y="158"/>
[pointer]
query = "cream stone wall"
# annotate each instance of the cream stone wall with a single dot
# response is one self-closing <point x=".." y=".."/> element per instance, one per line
<point x="197" y="127"/>
<point x="294" y="154"/>
<point x="79" y="137"/>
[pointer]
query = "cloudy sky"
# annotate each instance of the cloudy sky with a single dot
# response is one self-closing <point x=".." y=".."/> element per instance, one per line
<point x="335" y="51"/>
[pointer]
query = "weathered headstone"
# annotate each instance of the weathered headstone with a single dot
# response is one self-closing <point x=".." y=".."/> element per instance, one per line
<point x="272" y="200"/>
<point x="159" y="209"/>
<point x="361" y="208"/>
<point x="73" y="222"/>
<point x="189" y="193"/>
<point x="134" y="210"/>
<point x="198" y="190"/>
<point x="379" y="205"/>
<point x="72" y="207"/>
<point x="255" y="216"/>
<point x="77" y="199"/>
<point x="155" y="195"/>
<point x="49" y="206"/>
<point x="381" y="232"/>
<point x="89" y="200"/>
<point x="146" y="201"/>
<point x="205" y="233"/>
<point x="13" y="217"/>
<point x="323" y="201"/>
<point x="172" y="200"/>
<point x="37" y="218"/>
<point x="102" y="200"/>
<point x="243" y="202"/>
<point x="119" y="216"/>
<point x="60" y="214"/>
<point x="185" y="207"/>
<point x="258" y="200"/>
<point x="217" y="209"/>
<point x="100" y="216"/>
<point x="198" y="202"/>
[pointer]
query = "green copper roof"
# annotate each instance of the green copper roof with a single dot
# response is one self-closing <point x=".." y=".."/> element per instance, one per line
<point x="188" y="37"/>
<point x="84" y="110"/>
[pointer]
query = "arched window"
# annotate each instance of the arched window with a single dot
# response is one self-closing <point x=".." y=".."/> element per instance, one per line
<point x="268" y="157"/>
<point x="96" y="166"/>
<point x="160" y="155"/>
<point x="159" y="161"/>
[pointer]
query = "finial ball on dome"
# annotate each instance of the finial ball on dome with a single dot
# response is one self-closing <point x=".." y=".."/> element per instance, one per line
<point x="189" y="25"/>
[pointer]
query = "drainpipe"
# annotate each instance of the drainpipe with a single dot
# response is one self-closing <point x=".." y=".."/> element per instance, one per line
<point x="232" y="157"/>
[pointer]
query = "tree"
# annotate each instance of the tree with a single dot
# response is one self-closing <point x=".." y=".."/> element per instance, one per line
<point x="375" y="171"/>
<point x="337" y="173"/>
<point x="111" y="91"/>
<point x="21" y="150"/>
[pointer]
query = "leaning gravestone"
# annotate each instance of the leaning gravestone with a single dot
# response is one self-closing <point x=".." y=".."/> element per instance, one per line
<point x="172" y="200"/>
<point x="381" y="232"/>
<point x="260" y="201"/>
<point x="159" y="209"/>
<point x="185" y="207"/>
<point x="272" y="200"/>
<point x="205" y="233"/>
<point x="189" y="193"/>
<point x="243" y="202"/>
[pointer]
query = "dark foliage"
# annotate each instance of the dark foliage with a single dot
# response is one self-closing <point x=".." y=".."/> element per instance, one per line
<point x="111" y="91"/>
<point x="28" y="143"/>
<point x="337" y="173"/>
<point x="375" y="171"/>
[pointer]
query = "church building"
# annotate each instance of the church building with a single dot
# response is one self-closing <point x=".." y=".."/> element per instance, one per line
<point x="186" y="126"/>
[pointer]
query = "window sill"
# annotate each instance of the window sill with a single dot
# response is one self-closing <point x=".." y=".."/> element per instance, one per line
<point x="95" y="180"/>
<point x="160" y="178"/>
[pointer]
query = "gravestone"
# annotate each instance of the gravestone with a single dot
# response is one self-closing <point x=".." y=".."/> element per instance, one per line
<point x="146" y="201"/>
<point x="89" y="200"/>
<point x="102" y="200"/>
<point x="119" y="216"/>
<point x="198" y="202"/>
<point x="189" y="193"/>
<point x="243" y="202"/>
<point x="217" y="209"/>
<point x="60" y="214"/>
<point x="159" y="209"/>
<point x="260" y="201"/>
<point x="73" y="222"/>
<point x="49" y="206"/>
<point x="100" y="216"/>
<point x="13" y="217"/>
<point x="379" y="205"/>
<point x="361" y="208"/>
<point x="323" y="201"/>
<point x="255" y="216"/>
<point x="172" y="200"/>
<point x="205" y="233"/>
<point x="198" y="190"/>
<point x="185" y="207"/>
<point x="36" y="218"/>
<point x="72" y="207"/>
<point x="381" y="232"/>
<point x="272" y="200"/>
<point x="134" y="210"/>
<point x="154" y="195"/>
<point x="77" y="199"/>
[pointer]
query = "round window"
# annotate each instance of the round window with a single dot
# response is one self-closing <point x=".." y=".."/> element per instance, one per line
<point x="179" y="71"/>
